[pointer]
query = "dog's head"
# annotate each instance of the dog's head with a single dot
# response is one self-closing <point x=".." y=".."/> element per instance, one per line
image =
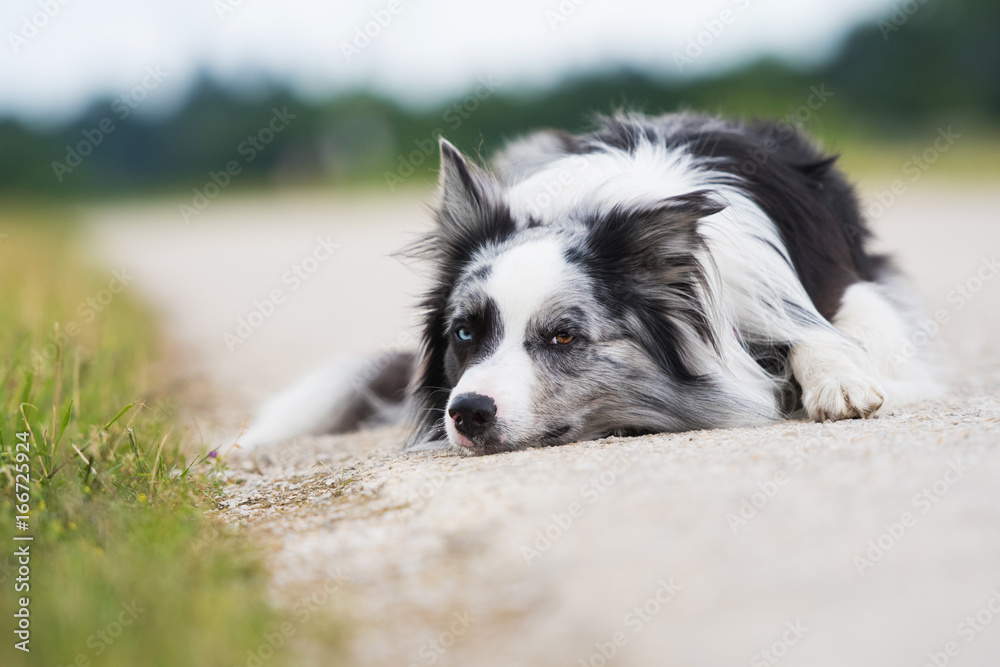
<point x="545" y="332"/>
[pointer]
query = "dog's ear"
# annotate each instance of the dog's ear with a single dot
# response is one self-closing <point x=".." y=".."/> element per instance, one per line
<point x="651" y="235"/>
<point x="688" y="209"/>
<point x="681" y="214"/>
<point x="464" y="188"/>
<point x="650" y="259"/>
<point x="471" y="212"/>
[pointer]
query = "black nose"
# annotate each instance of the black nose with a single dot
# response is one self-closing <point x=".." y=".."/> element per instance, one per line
<point x="473" y="414"/>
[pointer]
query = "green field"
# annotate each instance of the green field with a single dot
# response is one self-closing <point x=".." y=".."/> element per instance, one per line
<point x="124" y="567"/>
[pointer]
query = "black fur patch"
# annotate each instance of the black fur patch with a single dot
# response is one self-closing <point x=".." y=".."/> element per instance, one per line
<point x="487" y="332"/>
<point x="809" y="200"/>
<point x="645" y="271"/>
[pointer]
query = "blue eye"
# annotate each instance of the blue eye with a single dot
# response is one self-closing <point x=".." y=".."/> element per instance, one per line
<point x="463" y="334"/>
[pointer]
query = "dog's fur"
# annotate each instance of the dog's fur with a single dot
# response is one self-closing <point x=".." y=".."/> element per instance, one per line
<point x="657" y="274"/>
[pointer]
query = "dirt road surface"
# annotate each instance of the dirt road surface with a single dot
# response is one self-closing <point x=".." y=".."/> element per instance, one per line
<point x="854" y="543"/>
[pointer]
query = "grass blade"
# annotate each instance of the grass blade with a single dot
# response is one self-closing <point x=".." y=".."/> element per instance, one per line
<point x="62" y="427"/>
<point x="119" y="415"/>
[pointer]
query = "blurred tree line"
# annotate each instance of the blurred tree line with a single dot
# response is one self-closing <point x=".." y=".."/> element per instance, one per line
<point x="925" y="63"/>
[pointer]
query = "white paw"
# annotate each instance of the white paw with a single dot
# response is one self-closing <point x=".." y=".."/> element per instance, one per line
<point x="837" y="396"/>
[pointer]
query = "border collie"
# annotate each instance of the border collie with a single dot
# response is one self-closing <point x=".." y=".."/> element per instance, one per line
<point x="656" y="274"/>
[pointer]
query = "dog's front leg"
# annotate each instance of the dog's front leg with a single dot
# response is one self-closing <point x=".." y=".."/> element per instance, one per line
<point x="834" y="384"/>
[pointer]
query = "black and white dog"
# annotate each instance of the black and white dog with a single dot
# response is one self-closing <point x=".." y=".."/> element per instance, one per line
<point x="657" y="274"/>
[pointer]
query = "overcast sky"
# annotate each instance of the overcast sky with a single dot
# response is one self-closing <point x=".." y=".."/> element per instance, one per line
<point x="427" y="50"/>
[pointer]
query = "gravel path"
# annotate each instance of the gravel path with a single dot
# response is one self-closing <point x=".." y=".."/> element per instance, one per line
<point x="856" y="543"/>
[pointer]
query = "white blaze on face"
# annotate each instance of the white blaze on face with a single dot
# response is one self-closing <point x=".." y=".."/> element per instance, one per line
<point x="521" y="281"/>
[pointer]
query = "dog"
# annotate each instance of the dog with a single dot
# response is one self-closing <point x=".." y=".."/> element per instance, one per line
<point x="657" y="274"/>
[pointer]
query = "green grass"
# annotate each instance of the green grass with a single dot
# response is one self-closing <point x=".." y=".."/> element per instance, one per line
<point x="970" y="160"/>
<point x="125" y="567"/>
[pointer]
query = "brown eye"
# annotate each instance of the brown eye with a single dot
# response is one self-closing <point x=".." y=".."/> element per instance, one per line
<point x="561" y="338"/>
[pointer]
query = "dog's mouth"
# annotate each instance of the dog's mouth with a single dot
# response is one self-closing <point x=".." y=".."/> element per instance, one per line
<point x="491" y="445"/>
